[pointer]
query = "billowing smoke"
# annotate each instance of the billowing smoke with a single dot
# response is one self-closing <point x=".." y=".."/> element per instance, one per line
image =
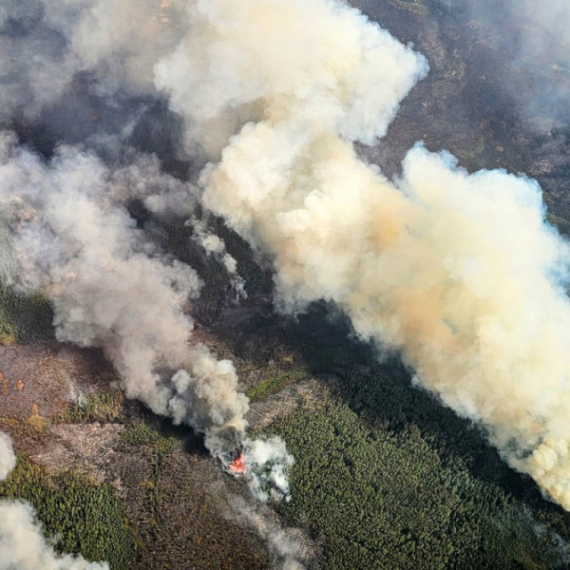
<point x="457" y="271"/>
<point x="267" y="463"/>
<point x="65" y="222"/>
<point x="22" y="544"/>
<point x="112" y="288"/>
<point x="7" y="456"/>
<point x="259" y="61"/>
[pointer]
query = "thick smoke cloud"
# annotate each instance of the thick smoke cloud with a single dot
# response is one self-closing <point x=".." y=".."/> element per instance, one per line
<point x="111" y="287"/>
<point x="45" y="44"/>
<point x="68" y="234"/>
<point x="269" y="61"/>
<point x="458" y="272"/>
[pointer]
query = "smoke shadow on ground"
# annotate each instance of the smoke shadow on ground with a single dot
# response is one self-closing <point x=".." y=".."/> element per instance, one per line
<point x="176" y="237"/>
<point x="110" y="126"/>
<point x="193" y="444"/>
<point x="147" y="425"/>
<point x="379" y="388"/>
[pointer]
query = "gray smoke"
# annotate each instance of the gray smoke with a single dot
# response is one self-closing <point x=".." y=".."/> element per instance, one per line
<point x="84" y="72"/>
<point x="284" y="544"/>
<point x="536" y="37"/>
<point x="35" y="65"/>
<point x="458" y="272"/>
<point x="44" y="44"/>
<point x="111" y="287"/>
<point x="66" y="222"/>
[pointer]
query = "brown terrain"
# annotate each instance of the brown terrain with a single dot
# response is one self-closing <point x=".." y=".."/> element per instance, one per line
<point x="178" y="499"/>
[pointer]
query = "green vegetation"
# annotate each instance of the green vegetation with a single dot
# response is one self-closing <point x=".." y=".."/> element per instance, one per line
<point x="276" y="383"/>
<point x="24" y="318"/>
<point x="179" y="521"/>
<point x="86" y="517"/>
<point x="470" y="152"/>
<point x="98" y="407"/>
<point x="160" y="440"/>
<point x="377" y="498"/>
<point x="387" y="477"/>
<point x="151" y="433"/>
<point x="560" y="223"/>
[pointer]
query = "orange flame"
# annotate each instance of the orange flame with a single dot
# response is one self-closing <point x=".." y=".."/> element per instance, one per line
<point x="237" y="466"/>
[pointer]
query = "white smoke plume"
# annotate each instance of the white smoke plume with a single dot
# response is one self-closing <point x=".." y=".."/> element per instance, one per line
<point x="284" y="544"/>
<point x="7" y="456"/>
<point x="109" y="285"/>
<point x="267" y="465"/>
<point x="285" y="62"/>
<point x="459" y="272"/>
<point x="112" y="289"/>
<point x="23" y="546"/>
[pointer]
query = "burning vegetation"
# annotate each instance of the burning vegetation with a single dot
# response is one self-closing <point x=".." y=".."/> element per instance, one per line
<point x="243" y="125"/>
<point x="238" y="465"/>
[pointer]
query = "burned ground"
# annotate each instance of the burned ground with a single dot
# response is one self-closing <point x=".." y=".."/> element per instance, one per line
<point x="172" y="491"/>
<point x="61" y="405"/>
<point x="177" y="500"/>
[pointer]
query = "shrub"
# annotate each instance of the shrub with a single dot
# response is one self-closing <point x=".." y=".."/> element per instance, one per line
<point x="97" y="407"/>
<point x="377" y="498"/>
<point x="86" y="517"/>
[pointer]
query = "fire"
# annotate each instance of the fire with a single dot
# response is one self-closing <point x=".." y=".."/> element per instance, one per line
<point x="237" y="466"/>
